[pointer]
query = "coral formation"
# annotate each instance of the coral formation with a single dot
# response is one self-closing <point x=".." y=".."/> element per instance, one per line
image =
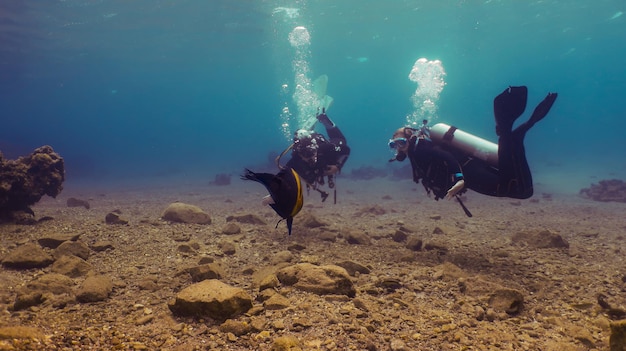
<point x="606" y="190"/>
<point x="221" y="179"/>
<point x="24" y="181"/>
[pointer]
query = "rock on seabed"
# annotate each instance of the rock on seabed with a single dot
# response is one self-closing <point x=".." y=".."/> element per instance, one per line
<point x="211" y="298"/>
<point x="185" y="213"/>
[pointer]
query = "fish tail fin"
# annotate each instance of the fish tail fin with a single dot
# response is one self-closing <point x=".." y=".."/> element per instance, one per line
<point x="263" y="178"/>
<point x="289" y="224"/>
<point x="249" y="175"/>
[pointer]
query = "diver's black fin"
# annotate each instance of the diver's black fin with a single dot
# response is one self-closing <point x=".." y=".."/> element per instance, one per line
<point x="249" y="175"/>
<point x="542" y="109"/>
<point x="508" y="106"/>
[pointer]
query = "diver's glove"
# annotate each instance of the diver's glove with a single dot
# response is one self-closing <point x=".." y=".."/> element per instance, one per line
<point x="458" y="186"/>
<point x="324" y="120"/>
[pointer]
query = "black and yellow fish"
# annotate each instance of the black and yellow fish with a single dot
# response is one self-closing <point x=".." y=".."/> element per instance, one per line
<point x="285" y="189"/>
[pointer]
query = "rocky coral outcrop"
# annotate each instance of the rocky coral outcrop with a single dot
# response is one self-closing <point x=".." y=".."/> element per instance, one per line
<point x="606" y="190"/>
<point x="23" y="182"/>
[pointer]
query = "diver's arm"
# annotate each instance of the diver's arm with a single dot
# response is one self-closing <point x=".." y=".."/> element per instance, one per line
<point x="458" y="186"/>
<point x="331" y="169"/>
<point x="333" y="157"/>
<point x="455" y="170"/>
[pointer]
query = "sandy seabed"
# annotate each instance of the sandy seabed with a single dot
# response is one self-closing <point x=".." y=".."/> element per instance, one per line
<point x="440" y="299"/>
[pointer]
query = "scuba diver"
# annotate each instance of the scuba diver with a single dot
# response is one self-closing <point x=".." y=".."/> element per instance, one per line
<point x="315" y="158"/>
<point x="450" y="161"/>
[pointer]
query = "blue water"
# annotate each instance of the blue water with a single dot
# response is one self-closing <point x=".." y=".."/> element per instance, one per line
<point x="132" y="90"/>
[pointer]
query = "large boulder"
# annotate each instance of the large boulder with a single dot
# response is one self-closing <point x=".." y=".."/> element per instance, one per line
<point x="72" y="248"/>
<point x="95" y="288"/>
<point x="71" y="266"/>
<point x="52" y="283"/>
<point x="185" y="213"/>
<point x="211" y="298"/>
<point x="322" y="280"/>
<point x="27" y="256"/>
<point x="542" y="239"/>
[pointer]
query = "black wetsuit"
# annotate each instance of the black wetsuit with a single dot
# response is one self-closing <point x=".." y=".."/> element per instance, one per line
<point x="441" y="166"/>
<point x="437" y="168"/>
<point x="332" y="152"/>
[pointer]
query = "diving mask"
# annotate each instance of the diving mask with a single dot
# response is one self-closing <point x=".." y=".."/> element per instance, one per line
<point x="397" y="143"/>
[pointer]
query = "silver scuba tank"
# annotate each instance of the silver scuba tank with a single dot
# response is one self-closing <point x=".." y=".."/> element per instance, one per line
<point x="469" y="144"/>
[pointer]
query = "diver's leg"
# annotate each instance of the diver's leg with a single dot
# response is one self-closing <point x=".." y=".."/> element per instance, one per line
<point x="334" y="134"/>
<point x="342" y="150"/>
<point x="324" y="120"/>
<point x="337" y="138"/>
<point x="515" y="177"/>
<point x="507" y="107"/>
<point x="481" y="177"/>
